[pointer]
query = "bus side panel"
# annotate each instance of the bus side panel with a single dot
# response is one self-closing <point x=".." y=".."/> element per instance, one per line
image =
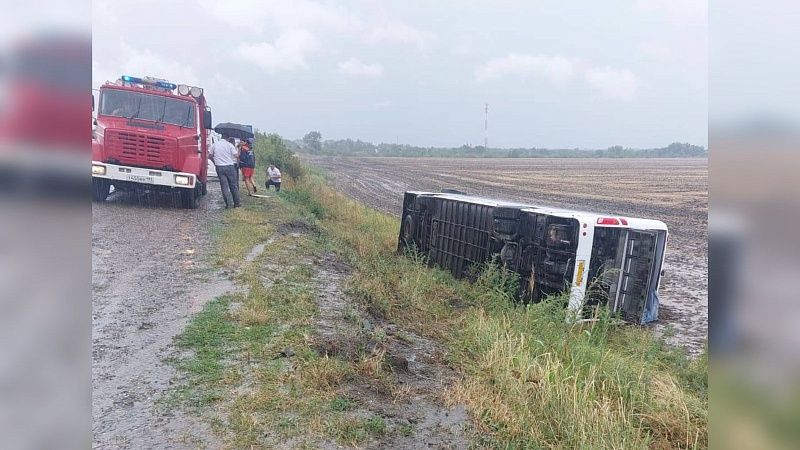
<point x="460" y="235"/>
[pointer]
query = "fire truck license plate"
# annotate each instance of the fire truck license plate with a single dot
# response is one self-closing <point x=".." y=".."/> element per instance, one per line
<point x="140" y="179"/>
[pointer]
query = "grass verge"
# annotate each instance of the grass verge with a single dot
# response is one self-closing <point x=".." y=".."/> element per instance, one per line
<point x="527" y="379"/>
<point x="248" y="366"/>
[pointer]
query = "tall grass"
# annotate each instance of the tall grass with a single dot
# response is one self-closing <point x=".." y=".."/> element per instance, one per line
<point x="236" y="369"/>
<point x="529" y="380"/>
<point x="271" y="149"/>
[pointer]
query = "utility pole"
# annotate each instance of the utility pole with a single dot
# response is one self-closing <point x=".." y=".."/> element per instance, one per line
<point x="486" y="127"/>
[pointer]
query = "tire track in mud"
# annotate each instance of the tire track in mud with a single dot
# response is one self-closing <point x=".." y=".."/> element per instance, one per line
<point x="150" y="272"/>
<point x="674" y="190"/>
<point x="413" y="410"/>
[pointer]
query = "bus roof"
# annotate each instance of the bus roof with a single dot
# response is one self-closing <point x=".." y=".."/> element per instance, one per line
<point x="583" y="216"/>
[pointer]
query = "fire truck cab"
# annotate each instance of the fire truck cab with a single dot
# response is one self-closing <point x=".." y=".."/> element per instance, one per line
<point x="151" y="135"/>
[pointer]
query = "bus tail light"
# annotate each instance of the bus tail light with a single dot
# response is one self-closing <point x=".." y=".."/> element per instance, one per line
<point x="608" y="221"/>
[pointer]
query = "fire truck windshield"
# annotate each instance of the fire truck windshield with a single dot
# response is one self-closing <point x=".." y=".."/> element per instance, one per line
<point x="138" y="105"/>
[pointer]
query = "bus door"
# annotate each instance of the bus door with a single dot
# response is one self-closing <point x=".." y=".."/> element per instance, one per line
<point x="639" y="276"/>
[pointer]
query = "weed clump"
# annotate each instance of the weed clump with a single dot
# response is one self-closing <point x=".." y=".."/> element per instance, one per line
<point x="303" y="198"/>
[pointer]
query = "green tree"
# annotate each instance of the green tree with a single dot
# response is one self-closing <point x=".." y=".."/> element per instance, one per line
<point x="615" y="151"/>
<point x="272" y="149"/>
<point x="313" y="142"/>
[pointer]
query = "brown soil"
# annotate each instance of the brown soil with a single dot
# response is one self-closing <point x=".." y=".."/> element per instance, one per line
<point x="673" y="190"/>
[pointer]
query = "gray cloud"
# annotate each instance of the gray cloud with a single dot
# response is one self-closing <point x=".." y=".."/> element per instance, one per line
<point x="354" y="67"/>
<point x="549" y="73"/>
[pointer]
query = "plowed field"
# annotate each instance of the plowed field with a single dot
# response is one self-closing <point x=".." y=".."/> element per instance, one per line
<point x="672" y="190"/>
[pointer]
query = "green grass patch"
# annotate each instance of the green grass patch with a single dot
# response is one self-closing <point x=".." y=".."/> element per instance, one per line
<point x="341" y="404"/>
<point x="239" y="231"/>
<point x="236" y="363"/>
<point x="354" y="431"/>
<point x="303" y="199"/>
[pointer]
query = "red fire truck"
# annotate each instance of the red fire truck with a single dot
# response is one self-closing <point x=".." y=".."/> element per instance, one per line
<point x="43" y="123"/>
<point x="151" y="134"/>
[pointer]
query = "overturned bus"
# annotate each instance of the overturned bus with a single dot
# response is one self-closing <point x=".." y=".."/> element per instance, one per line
<point x="598" y="259"/>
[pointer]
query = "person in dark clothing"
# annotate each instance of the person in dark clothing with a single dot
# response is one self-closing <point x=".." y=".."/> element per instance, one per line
<point x="247" y="162"/>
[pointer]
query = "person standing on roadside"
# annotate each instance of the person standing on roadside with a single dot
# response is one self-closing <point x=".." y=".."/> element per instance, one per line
<point x="273" y="178"/>
<point x="247" y="162"/>
<point x="225" y="156"/>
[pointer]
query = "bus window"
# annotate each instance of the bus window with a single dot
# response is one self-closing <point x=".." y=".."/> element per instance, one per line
<point x="604" y="268"/>
<point x="554" y="261"/>
<point x="559" y="237"/>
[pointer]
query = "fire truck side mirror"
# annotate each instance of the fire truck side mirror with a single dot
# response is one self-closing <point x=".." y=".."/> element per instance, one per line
<point x="207" y="120"/>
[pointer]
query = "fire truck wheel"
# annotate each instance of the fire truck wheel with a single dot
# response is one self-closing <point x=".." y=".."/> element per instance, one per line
<point x="189" y="198"/>
<point x="100" y="189"/>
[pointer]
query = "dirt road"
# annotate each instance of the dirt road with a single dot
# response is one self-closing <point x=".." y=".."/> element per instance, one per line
<point x="674" y="190"/>
<point x="150" y="271"/>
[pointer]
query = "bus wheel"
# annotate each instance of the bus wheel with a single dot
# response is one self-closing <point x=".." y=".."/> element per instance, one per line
<point x="100" y="189"/>
<point x="189" y="198"/>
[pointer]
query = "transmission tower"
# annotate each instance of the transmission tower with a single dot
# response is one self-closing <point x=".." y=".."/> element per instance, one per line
<point x="486" y="126"/>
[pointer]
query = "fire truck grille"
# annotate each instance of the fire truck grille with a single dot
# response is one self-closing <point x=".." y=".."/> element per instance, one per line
<point x="140" y="149"/>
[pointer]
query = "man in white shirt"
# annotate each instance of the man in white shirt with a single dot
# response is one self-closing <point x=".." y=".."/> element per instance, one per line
<point x="273" y="178"/>
<point x="225" y="156"/>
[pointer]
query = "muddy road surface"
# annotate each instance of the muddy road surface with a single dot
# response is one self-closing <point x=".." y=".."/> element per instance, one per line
<point x="150" y="272"/>
<point x="674" y="190"/>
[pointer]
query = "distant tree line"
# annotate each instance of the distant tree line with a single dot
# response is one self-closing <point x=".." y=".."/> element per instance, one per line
<point x="314" y="144"/>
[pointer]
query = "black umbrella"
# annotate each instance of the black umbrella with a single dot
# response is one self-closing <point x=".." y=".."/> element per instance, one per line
<point x="234" y="130"/>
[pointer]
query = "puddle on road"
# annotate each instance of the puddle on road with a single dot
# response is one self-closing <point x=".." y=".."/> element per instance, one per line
<point x="257" y="250"/>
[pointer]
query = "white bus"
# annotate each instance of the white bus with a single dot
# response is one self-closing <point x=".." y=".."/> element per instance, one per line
<point x="213" y="137"/>
<point x="599" y="259"/>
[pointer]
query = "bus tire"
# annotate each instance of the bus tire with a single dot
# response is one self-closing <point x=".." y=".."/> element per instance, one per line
<point x="100" y="189"/>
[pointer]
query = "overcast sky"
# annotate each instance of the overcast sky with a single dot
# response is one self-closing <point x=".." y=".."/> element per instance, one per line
<point x="584" y="74"/>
